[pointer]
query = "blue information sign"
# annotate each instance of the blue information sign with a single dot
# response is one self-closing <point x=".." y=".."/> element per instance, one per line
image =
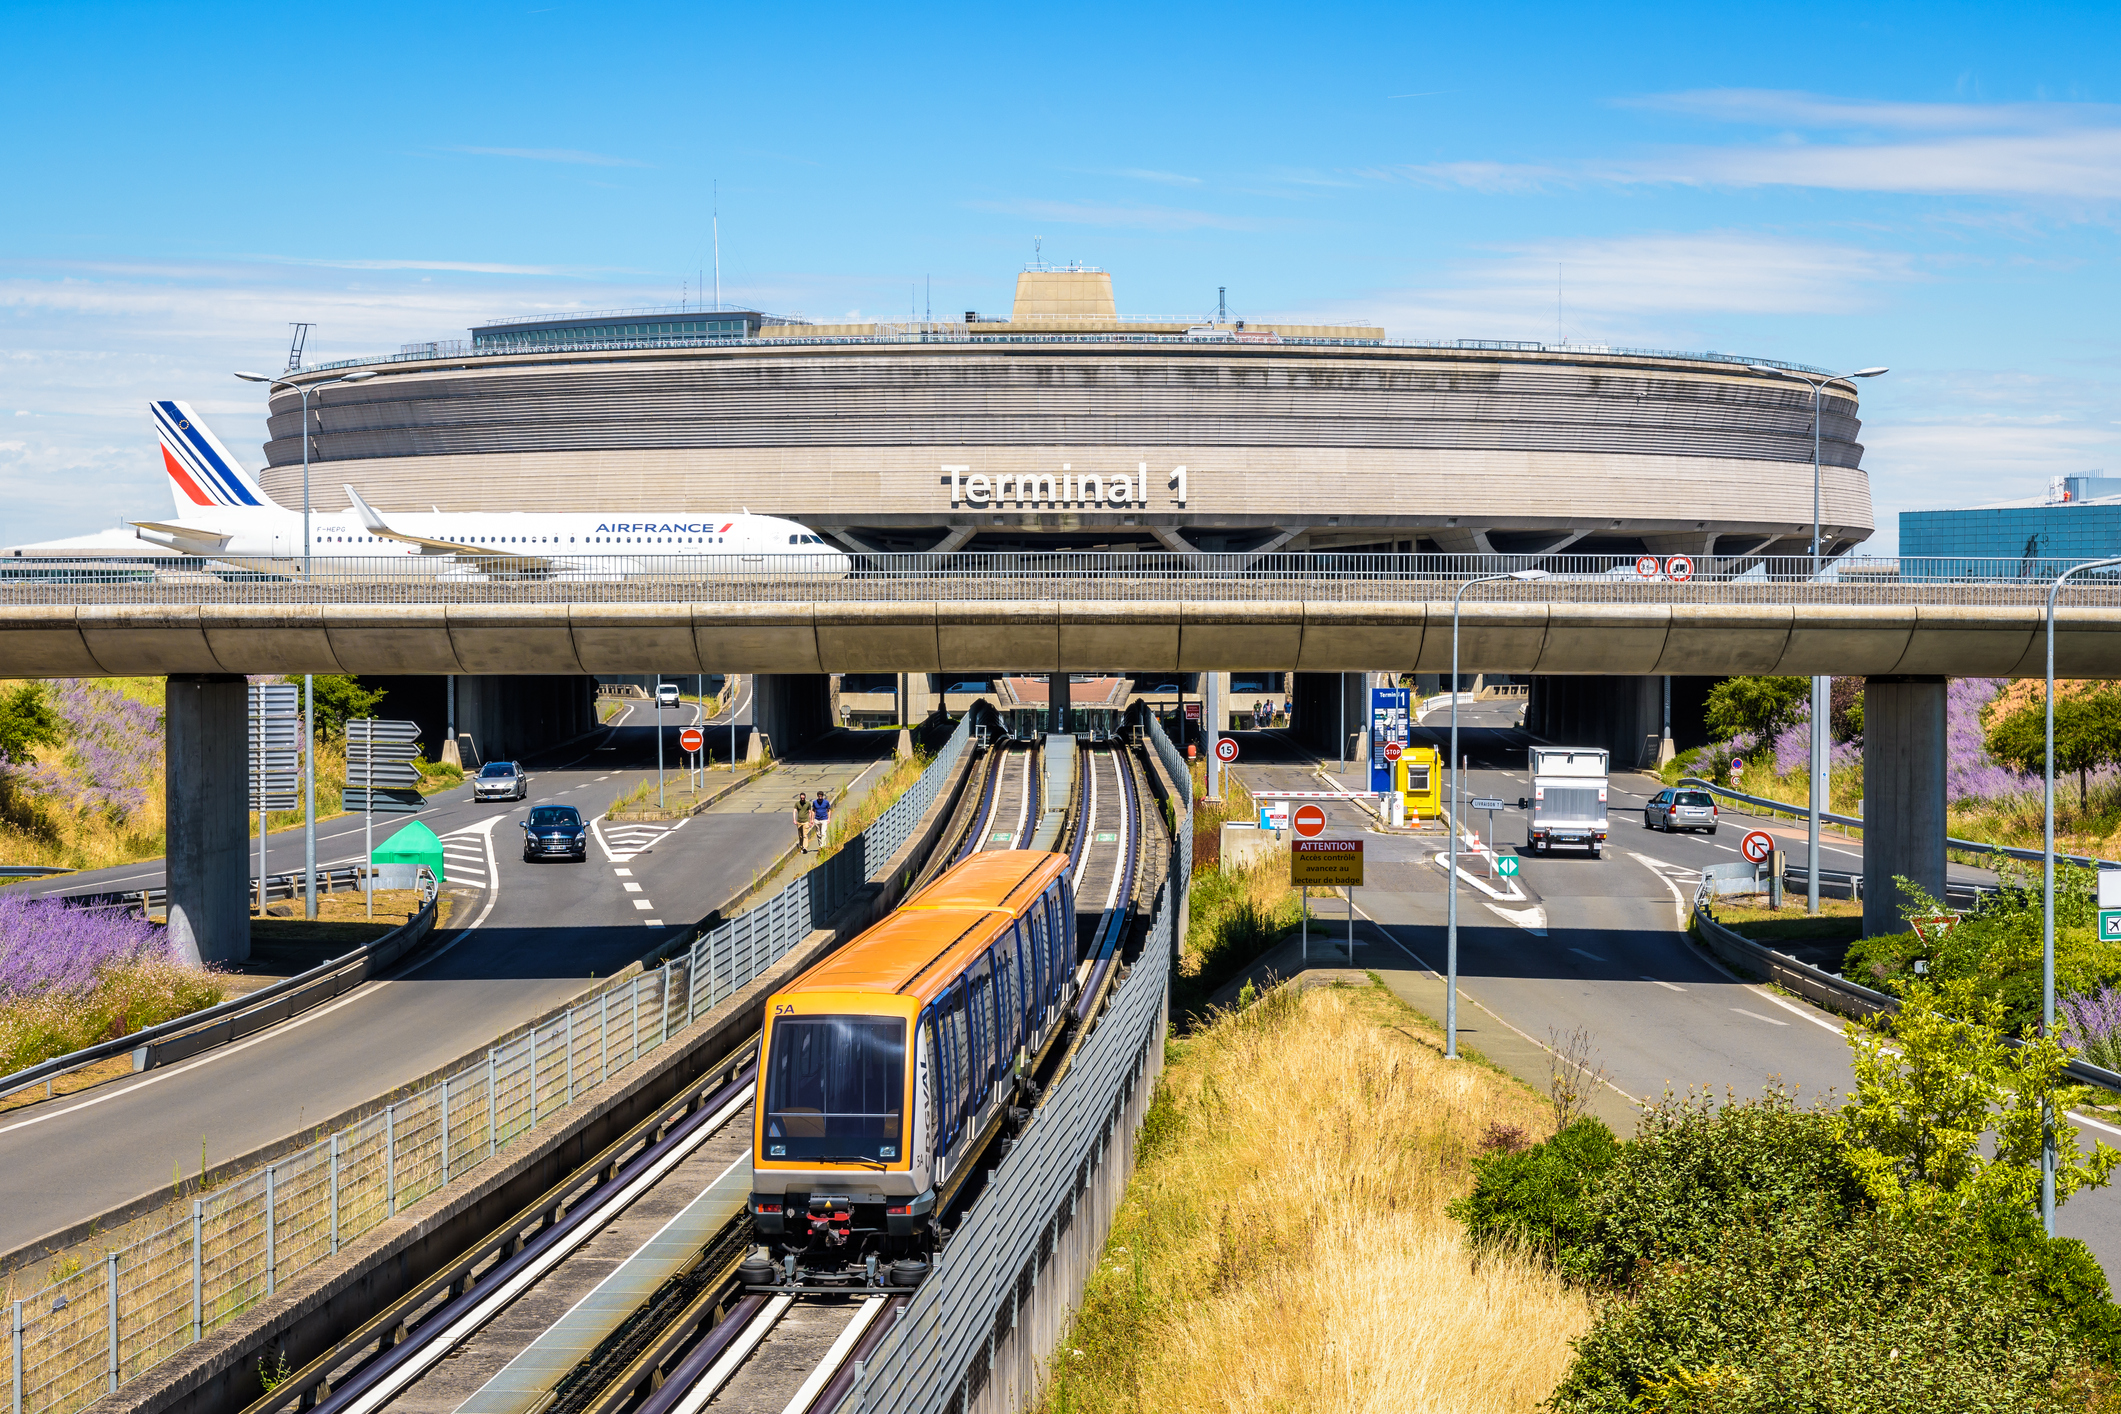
<point x="1388" y="722"/>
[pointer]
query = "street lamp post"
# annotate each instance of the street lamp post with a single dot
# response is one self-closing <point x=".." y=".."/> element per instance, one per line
<point x="1450" y="1002"/>
<point x="309" y="682"/>
<point x="1821" y="686"/>
<point x="2047" y="902"/>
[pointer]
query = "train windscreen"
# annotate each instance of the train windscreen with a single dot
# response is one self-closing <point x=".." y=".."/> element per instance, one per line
<point x="835" y="1088"/>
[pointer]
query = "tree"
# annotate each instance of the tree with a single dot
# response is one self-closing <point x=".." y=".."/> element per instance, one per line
<point x="1933" y="1079"/>
<point x="1764" y="707"/>
<point x="27" y="721"/>
<point x="340" y="697"/>
<point x="2087" y="735"/>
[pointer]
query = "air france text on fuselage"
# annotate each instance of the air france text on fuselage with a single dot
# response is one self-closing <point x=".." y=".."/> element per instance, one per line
<point x="672" y="528"/>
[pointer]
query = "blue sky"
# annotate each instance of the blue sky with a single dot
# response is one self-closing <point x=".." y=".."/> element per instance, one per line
<point x="1934" y="188"/>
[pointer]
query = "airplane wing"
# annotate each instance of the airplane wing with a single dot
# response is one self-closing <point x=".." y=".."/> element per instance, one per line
<point x="179" y="537"/>
<point x="376" y="525"/>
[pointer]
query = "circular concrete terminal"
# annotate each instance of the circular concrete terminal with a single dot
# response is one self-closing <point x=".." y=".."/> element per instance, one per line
<point x="1094" y="432"/>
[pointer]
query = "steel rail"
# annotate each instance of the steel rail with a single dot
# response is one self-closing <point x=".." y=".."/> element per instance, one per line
<point x="1119" y="899"/>
<point x="380" y="1380"/>
<point x="682" y="1395"/>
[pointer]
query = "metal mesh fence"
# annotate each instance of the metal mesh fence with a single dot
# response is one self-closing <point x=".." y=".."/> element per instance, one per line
<point x="1060" y="577"/>
<point x="84" y="1332"/>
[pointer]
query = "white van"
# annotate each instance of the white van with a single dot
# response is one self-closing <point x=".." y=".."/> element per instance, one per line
<point x="666" y="695"/>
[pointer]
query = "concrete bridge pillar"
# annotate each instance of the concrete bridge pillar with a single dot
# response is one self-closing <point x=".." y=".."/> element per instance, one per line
<point x="207" y="799"/>
<point x="1058" y="703"/>
<point x="1903" y="794"/>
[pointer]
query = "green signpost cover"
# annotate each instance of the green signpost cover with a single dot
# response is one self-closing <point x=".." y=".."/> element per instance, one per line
<point x="415" y="844"/>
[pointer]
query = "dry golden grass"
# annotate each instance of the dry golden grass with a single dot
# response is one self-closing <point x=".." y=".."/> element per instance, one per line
<point x="1284" y="1243"/>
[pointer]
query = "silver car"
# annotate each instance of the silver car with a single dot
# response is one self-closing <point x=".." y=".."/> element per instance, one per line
<point x="1680" y="810"/>
<point x="500" y="780"/>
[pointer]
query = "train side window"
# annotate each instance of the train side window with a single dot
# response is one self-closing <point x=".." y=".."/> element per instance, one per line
<point x="982" y="991"/>
<point x="960" y="1070"/>
<point x="938" y="1092"/>
<point x="1006" y="995"/>
<point x="1041" y="959"/>
<point x="1013" y="947"/>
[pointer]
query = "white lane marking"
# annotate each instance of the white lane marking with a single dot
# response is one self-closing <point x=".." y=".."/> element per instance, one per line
<point x="642" y="903"/>
<point x="1668" y="986"/>
<point x="1533" y="920"/>
<point x="1591" y="955"/>
<point x="1724" y="847"/>
<point x="653" y="922"/>
<point x="631" y="888"/>
<point x="1678" y="899"/>
<point x="1758" y="1017"/>
<point x="1789" y="1006"/>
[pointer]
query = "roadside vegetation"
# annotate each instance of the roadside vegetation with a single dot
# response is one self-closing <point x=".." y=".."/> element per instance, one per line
<point x="1285" y="1242"/>
<point x="850" y="820"/>
<point x="70" y="977"/>
<point x="82" y="773"/>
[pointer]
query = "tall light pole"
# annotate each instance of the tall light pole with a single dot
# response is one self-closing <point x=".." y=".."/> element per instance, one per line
<point x="1816" y="788"/>
<point x="2047" y="902"/>
<point x="1450" y="1002"/>
<point x="309" y="682"/>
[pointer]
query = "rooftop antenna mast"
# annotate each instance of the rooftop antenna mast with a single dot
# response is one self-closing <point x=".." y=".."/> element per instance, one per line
<point x="1222" y="311"/>
<point x="718" y="246"/>
<point x="294" y="347"/>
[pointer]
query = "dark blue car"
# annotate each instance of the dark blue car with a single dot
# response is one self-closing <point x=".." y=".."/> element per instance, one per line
<point x="555" y="832"/>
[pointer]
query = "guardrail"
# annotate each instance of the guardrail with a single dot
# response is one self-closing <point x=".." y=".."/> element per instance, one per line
<point x="239" y="1016"/>
<point x="1831" y="990"/>
<point x="282" y="886"/>
<point x="570" y="573"/>
<point x="32" y="871"/>
<point x="1799" y="812"/>
<point x="85" y="1334"/>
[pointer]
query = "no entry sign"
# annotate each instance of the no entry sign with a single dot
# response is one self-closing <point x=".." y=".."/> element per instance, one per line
<point x="1757" y="846"/>
<point x="1309" y="820"/>
<point x="691" y="739"/>
<point x="1226" y="748"/>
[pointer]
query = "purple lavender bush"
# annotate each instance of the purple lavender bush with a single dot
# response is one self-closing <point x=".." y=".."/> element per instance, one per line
<point x="1970" y="773"/>
<point x="71" y="976"/>
<point x="113" y="752"/>
<point x="2091" y="1021"/>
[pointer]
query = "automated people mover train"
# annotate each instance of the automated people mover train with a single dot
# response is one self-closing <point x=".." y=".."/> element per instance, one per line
<point x="223" y="511"/>
<point x="887" y="1069"/>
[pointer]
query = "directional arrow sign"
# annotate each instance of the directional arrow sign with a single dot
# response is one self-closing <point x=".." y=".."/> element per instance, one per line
<point x="1506" y="865"/>
<point x="1481" y="803"/>
<point x="382" y="802"/>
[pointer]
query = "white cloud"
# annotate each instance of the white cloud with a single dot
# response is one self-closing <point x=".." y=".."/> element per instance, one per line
<point x="2045" y="150"/>
<point x="1143" y="174"/>
<point x="1634" y="289"/>
<point x="1147" y="218"/>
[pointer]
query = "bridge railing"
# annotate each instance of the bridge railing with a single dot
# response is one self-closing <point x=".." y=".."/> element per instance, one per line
<point x="85" y="1332"/>
<point x="568" y="574"/>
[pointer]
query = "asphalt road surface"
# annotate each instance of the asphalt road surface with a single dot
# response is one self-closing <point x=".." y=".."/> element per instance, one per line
<point x="1598" y="943"/>
<point x="524" y="938"/>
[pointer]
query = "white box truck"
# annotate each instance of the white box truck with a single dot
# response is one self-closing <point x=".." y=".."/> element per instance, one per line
<point x="1568" y="798"/>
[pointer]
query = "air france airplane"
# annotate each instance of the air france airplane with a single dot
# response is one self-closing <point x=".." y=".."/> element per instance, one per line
<point x="223" y="512"/>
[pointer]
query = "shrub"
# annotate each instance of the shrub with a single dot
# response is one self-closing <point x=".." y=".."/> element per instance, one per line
<point x="2059" y="1276"/>
<point x="1538" y="1197"/>
<point x="1809" y="1312"/>
<point x="1695" y="1169"/>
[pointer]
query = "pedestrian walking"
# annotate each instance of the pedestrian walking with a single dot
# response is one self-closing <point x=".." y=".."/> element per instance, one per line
<point x="820" y="812"/>
<point x="802" y="822"/>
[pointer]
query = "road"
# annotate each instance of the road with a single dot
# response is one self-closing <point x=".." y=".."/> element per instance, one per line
<point x="525" y="937"/>
<point x="1598" y="944"/>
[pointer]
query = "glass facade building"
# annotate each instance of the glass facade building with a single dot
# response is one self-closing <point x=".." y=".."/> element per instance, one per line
<point x="627" y="327"/>
<point x="2085" y="530"/>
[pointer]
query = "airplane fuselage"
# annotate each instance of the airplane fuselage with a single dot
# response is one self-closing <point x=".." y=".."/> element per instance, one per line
<point x="340" y="533"/>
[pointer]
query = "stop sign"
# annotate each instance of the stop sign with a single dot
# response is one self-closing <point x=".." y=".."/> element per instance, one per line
<point x="1309" y="820"/>
<point x="1393" y="751"/>
<point x="691" y="739"/>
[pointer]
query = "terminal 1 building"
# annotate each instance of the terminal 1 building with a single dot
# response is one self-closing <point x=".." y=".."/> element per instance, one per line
<point x="1066" y="425"/>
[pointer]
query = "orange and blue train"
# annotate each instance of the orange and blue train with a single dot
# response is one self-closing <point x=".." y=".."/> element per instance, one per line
<point x="887" y="1070"/>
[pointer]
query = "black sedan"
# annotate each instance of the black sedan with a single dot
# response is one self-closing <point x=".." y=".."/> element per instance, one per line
<point x="555" y="832"/>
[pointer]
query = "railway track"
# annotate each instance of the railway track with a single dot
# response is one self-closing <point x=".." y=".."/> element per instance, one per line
<point x="627" y="1290"/>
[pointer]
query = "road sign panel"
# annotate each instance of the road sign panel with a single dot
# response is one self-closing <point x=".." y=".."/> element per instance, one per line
<point x="1192" y="711"/>
<point x="1226" y="748"/>
<point x="1310" y="821"/>
<point x="1274" y="815"/>
<point x="1484" y="803"/>
<point x="1679" y="568"/>
<point x="2109" y="923"/>
<point x="1325" y="862"/>
<point x="1393" y="751"/>
<point x="1930" y="927"/>
<point x="391" y="775"/>
<point x="1646" y="566"/>
<point x="691" y="739"/>
<point x="385" y="802"/>
<point x="1757" y="846"/>
<point x="2110" y="888"/>
<point x="1506" y="865"/>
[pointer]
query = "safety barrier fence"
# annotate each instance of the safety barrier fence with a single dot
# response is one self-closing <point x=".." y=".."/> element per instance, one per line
<point x="87" y="1330"/>
<point x="550" y="572"/>
<point x="1010" y="1276"/>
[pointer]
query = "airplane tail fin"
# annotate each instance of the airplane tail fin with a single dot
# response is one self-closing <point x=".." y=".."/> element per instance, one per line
<point x="201" y="472"/>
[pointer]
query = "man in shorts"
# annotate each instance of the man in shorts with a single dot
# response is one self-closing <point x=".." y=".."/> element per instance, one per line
<point x="802" y="822"/>
<point x="820" y="813"/>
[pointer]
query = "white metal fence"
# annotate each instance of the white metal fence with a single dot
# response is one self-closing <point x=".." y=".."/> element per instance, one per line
<point x="88" y="1330"/>
<point x="559" y="575"/>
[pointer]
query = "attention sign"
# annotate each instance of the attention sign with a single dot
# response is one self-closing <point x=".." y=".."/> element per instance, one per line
<point x="1325" y="862"/>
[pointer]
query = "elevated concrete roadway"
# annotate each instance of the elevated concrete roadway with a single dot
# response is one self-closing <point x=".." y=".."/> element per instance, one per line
<point x="1736" y="633"/>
